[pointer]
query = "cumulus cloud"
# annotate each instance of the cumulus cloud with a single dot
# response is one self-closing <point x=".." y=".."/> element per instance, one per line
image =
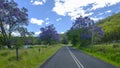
<point x="62" y="32"/>
<point x="74" y="8"/>
<point x="47" y="19"/>
<point x="16" y="33"/>
<point x="47" y="23"/>
<point x="108" y="11"/>
<point x="44" y="1"/>
<point x="38" y="2"/>
<point x="36" y="21"/>
<point x="37" y="33"/>
<point x="100" y="13"/>
<point x="96" y="19"/>
<point x="58" y="19"/>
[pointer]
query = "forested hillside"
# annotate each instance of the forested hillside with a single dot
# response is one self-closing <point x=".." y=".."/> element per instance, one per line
<point x="111" y="28"/>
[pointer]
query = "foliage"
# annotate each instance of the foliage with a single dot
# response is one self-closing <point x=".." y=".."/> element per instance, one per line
<point x="27" y="36"/>
<point x="64" y="39"/>
<point x="49" y="35"/>
<point x="11" y="17"/>
<point x="83" y="30"/>
<point x="106" y="52"/>
<point x="111" y="28"/>
<point x="74" y="36"/>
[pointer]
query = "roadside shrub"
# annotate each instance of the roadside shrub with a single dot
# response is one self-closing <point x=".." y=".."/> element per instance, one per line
<point x="116" y="46"/>
<point x="12" y="58"/>
<point x="6" y="53"/>
<point x="102" y="50"/>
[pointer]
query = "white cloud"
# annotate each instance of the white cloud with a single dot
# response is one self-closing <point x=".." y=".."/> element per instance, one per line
<point x="36" y="21"/>
<point x="37" y="33"/>
<point x="47" y="23"/>
<point x="58" y="19"/>
<point x="74" y="8"/>
<point x="37" y="2"/>
<point x="108" y="11"/>
<point x="96" y="19"/>
<point x="16" y="33"/>
<point x="6" y="26"/>
<point x="44" y="1"/>
<point x="47" y="19"/>
<point x="62" y="32"/>
<point x="100" y="13"/>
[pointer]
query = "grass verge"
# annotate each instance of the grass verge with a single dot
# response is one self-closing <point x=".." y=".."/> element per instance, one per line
<point x="108" y="52"/>
<point x="28" y="58"/>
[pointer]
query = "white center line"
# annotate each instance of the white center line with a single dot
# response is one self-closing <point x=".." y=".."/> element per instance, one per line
<point x="75" y="59"/>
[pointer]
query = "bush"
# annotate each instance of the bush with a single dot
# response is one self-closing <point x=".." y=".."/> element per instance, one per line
<point x="5" y="53"/>
<point x="12" y="58"/>
<point x="116" y="46"/>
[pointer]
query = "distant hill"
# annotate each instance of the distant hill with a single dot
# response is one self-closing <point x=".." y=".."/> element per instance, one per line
<point x="111" y="27"/>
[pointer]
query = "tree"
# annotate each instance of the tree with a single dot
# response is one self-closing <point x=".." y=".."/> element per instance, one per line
<point x="64" y="39"/>
<point x="81" y="31"/>
<point x="22" y="39"/>
<point x="26" y="35"/>
<point x="12" y="17"/>
<point x="49" y="35"/>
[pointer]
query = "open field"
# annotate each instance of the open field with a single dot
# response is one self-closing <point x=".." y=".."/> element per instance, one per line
<point x="28" y="58"/>
<point x="107" y="52"/>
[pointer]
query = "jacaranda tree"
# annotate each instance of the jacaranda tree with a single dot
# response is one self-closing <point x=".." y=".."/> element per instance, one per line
<point x="49" y="35"/>
<point x="83" y="31"/>
<point x="12" y="17"/>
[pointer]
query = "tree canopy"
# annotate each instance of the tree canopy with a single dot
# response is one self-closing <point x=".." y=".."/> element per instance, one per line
<point x="12" y="17"/>
<point x="83" y="30"/>
<point x="49" y="35"/>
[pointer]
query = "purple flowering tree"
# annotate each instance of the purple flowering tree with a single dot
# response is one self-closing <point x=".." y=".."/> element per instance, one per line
<point x="12" y="17"/>
<point x="83" y="31"/>
<point x="49" y="35"/>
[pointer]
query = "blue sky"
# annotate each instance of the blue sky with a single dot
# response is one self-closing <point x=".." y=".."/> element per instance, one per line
<point x="62" y="13"/>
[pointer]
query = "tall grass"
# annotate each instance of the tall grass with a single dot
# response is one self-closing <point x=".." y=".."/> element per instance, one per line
<point x="28" y="58"/>
<point x="107" y="52"/>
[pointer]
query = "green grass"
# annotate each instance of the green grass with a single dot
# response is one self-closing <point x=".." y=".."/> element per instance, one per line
<point x="107" y="52"/>
<point x="28" y="58"/>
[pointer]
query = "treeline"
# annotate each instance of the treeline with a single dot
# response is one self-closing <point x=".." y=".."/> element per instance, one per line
<point x="84" y="32"/>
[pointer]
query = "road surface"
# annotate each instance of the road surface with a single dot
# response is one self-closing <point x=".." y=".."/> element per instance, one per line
<point x="68" y="57"/>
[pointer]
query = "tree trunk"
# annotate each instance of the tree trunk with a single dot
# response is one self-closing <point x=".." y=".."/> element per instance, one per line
<point x="4" y="35"/>
<point x="9" y="46"/>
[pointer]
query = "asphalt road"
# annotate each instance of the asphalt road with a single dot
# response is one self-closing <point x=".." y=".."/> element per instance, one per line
<point x="68" y="57"/>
